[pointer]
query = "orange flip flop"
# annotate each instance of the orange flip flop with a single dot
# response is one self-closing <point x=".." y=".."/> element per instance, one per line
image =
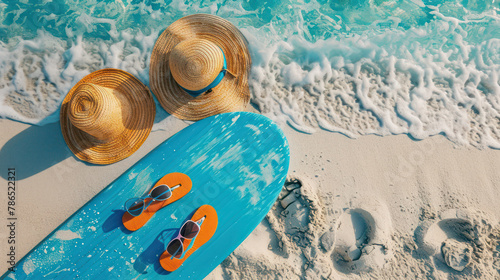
<point x="207" y="230"/>
<point x="134" y="223"/>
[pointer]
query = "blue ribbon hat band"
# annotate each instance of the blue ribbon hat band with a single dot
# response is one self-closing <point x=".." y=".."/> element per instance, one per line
<point x="213" y="84"/>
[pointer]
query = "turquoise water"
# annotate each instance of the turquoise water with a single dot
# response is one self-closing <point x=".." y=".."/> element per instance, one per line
<point x="351" y="66"/>
<point x="319" y="19"/>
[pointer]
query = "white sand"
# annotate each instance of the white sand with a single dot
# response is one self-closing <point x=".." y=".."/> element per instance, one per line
<point x="385" y="207"/>
<point x="379" y="207"/>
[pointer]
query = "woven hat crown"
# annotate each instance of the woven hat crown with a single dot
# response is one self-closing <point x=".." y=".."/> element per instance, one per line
<point x="195" y="63"/>
<point x="99" y="111"/>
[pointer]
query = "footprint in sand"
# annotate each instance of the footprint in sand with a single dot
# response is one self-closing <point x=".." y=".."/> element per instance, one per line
<point x="293" y="208"/>
<point x="297" y="217"/>
<point x="452" y="239"/>
<point x="292" y="228"/>
<point x="352" y="235"/>
<point x="362" y="238"/>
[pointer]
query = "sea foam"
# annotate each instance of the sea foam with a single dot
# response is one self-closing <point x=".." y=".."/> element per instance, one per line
<point x="361" y="67"/>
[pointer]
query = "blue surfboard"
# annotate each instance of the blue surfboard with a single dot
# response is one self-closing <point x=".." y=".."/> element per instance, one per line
<point x="238" y="164"/>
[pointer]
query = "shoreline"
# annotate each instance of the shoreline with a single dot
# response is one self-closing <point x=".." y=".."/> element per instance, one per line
<point x="416" y="181"/>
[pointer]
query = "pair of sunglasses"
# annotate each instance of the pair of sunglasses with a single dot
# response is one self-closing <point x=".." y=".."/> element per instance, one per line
<point x="135" y="206"/>
<point x="189" y="230"/>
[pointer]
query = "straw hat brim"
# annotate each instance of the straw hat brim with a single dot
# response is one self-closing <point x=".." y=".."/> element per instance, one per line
<point x="137" y="127"/>
<point x="232" y="94"/>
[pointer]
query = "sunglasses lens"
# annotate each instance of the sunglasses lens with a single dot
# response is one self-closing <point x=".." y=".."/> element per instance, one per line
<point x="161" y="192"/>
<point x="174" y="248"/>
<point x="134" y="206"/>
<point x="190" y="229"/>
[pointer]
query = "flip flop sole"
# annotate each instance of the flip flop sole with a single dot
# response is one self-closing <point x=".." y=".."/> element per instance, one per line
<point x="207" y="230"/>
<point x="134" y="223"/>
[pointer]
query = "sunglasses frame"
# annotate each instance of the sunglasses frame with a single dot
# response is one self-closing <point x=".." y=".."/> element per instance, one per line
<point x="143" y="198"/>
<point x="179" y="236"/>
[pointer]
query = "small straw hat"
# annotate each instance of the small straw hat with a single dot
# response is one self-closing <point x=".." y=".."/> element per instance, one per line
<point x="199" y="67"/>
<point x="107" y="116"/>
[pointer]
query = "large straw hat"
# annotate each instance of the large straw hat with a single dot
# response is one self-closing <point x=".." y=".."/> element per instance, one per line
<point x="107" y="116"/>
<point x="188" y="68"/>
